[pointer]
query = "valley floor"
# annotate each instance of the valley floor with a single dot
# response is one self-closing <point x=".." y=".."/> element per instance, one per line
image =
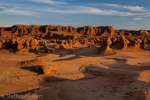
<point x="82" y="75"/>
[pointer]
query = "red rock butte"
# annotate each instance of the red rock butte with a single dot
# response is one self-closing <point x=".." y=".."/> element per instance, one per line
<point x="28" y="37"/>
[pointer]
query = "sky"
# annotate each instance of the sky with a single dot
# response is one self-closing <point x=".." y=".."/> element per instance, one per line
<point x="121" y="14"/>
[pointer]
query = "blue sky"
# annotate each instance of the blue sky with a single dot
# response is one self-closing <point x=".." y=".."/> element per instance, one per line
<point x="121" y="14"/>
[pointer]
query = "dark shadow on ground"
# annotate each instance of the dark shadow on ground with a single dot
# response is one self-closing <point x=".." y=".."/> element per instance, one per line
<point x="122" y="65"/>
<point x="78" y="53"/>
<point x="37" y="69"/>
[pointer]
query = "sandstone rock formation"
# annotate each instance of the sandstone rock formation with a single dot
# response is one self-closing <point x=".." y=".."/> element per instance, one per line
<point x="108" y="43"/>
<point x="135" y="43"/>
<point x="49" y="69"/>
<point x="114" y="40"/>
<point x="76" y="42"/>
<point x="138" y="42"/>
<point x="105" y="49"/>
<point x="33" y="62"/>
<point x="47" y="50"/>
<point x="143" y="44"/>
<point x="62" y="32"/>
<point x="57" y="46"/>
<point x="29" y="37"/>
<point x="124" y="43"/>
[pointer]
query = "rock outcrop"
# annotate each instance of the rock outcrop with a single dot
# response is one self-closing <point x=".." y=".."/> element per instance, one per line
<point x="51" y="31"/>
<point x="135" y="43"/>
<point x="49" y="69"/>
<point x="28" y="38"/>
<point x="143" y="44"/>
<point x="108" y="43"/>
<point x="105" y="49"/>
<point x="124" y="43"/>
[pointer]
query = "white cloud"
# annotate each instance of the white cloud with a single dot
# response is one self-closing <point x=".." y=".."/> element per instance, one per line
<point x="6" y="6"/>
<point x="19" y="12"/>
<point x="144" y="15"/>
<point x="49" y="1"/>
<point x="89" y="10"/>
<point x="131" y="8"/>
<point x="138" y="18"/>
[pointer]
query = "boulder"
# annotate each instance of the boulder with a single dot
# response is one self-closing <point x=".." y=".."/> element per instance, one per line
<point x="57" y="46"/>
<point x="49" y="69"/>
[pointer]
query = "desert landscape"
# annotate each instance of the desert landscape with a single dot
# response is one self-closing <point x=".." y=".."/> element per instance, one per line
<point x="52" y="62"/>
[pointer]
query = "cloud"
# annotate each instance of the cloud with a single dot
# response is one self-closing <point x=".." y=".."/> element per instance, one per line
<point x="19" y="12"/>
<point x="49" y="2"/>
<point x="6" y="6"/>
<point x="13" y="10"/>
<point x="89" y="10"/>
<point x="144" y="15"/>
<point x="138" y="18"/>
<point x="131" y="8"/>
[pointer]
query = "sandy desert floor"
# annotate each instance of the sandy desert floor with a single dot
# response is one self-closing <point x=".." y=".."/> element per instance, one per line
<point x="82" y="75"/>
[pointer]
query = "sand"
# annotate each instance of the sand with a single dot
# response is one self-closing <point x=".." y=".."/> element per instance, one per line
<point x="82" y="74"/>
